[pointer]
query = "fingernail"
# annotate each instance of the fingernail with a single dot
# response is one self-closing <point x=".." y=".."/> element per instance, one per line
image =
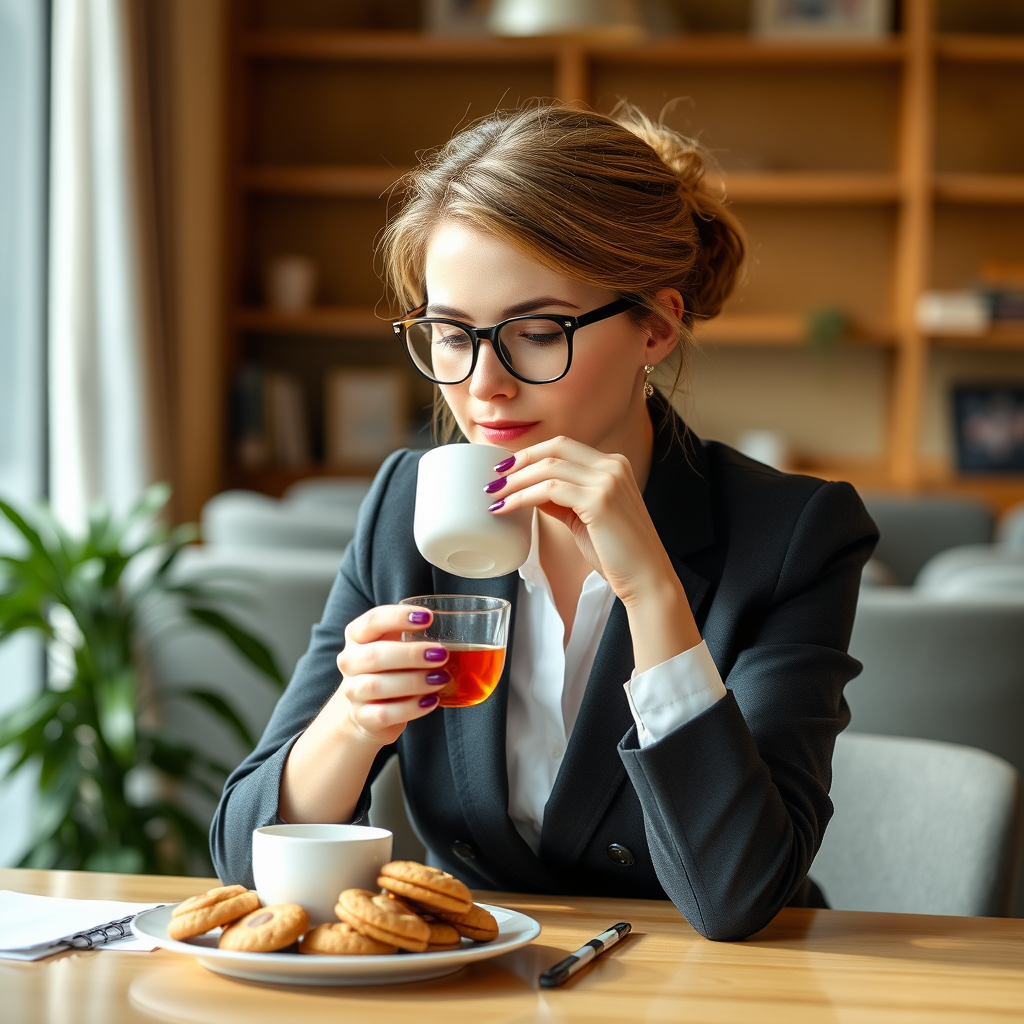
<point x="419" y="618"/>
<point x="429" y="701"/>
<point x="435" y="654"/>
<point x="505" y="465"/>
<point x="495" y="485"/>
<point x="438" y="678"/>
<point x="498" y="504"/>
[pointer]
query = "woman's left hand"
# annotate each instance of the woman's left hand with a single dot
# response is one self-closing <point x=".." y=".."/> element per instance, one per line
<point x="596" y="496"/>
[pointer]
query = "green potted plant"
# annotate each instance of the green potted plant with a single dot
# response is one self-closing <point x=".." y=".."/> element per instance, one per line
<point x="94" y="730"/>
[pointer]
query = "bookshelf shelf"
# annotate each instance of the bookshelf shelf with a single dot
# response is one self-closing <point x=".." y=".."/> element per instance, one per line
<point x="779" y="330"/>
<point x="995" y="189"/>
<point x="980" y="49"/>
<point x="1011" y="338"/>
<point x="347" y="322"/>
<point x="801" y="188"/>
<point x="353" y="181"/>
<point x="699" y="48"/>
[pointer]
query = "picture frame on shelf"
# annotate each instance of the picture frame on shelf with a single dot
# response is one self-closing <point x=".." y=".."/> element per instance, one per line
<point x="822" y="19"/>
<point x="989" y="426"/>
<point x="365" y="415"/>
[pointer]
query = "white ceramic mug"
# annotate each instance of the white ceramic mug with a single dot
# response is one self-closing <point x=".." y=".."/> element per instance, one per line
<point x="311" y="864"/>
<point x="452" y="527"/>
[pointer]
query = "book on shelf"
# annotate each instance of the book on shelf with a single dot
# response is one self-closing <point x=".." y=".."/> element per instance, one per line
<point x="365" y="415"/>
<point x="271" y="423"/>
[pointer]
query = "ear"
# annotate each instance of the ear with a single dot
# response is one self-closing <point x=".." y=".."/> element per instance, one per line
<point x="663" y="328"/>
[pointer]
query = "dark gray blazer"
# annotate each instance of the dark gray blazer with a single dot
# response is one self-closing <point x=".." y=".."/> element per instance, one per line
<point x="725" y="814"/>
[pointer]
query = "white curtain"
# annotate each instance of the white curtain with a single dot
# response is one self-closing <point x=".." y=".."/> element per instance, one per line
<point x="104" y="370"/>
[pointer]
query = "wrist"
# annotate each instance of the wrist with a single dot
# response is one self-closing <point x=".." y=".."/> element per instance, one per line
<point x="343" y="728"/>
<point x="661" y="624"/>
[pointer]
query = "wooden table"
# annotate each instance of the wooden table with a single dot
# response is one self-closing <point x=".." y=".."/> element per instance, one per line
<point x="808" y="965"/>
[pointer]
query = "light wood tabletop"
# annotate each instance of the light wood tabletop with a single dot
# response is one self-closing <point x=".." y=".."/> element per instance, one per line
<point x="808" y="965"/>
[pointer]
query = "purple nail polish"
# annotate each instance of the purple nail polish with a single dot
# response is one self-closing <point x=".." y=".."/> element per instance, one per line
<point x="496" y="485"/>
<point x="438" y="678"/>
<point x="435" y="654"/>
<point x="419" y="618"/>
<point x="505" y="465"/>
<point x="429" y="701"/>
<point x="498" y="504"/>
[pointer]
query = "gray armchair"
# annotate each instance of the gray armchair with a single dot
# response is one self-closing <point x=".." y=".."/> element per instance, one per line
<point x="920" y="828"/>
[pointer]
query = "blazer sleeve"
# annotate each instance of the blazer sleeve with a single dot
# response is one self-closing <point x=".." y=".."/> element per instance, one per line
<point x="250" y="797"/>
<point x="736" y="800"/>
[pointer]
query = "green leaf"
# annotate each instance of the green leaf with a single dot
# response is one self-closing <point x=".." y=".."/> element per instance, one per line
<point x="215" y="703"/>
<point x="115" y="707"/>
<point x="253" y="650"/>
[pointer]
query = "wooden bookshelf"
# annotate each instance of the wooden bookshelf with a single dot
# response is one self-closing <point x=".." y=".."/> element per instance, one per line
<point x="836" y="157"/>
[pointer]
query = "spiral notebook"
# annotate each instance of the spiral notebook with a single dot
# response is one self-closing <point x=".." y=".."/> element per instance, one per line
<point x="33" y="927"/>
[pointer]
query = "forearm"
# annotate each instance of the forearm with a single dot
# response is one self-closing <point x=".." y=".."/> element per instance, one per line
<point x="660" y="621"/>
<point x="326" y="769"/>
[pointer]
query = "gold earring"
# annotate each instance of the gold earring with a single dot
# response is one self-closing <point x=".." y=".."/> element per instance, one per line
<point x="648" y="386"/>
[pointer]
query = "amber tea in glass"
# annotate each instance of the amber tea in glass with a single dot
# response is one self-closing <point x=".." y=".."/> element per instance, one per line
<point x="474" y="630"/>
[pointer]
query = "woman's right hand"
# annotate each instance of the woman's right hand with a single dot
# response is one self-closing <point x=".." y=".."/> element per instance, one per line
<point x="387" y="682"/>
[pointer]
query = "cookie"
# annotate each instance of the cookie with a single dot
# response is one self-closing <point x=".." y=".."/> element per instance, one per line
<point x="431" y="888"/>
<point x="213" y="909"/>
<point x="383" y="919"/>
<point x="476" y="924"/>
<point x="340" y="939"/>
<point x="266" y="929"/>
<point x="443" y="935"/>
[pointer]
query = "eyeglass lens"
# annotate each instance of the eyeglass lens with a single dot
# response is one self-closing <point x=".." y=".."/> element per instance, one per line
<point x="536" y="349"/>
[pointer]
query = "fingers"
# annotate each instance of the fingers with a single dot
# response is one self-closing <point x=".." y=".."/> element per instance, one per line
<point x="390" y="656"/>
<point x="379" y="716"/>
<point x="393" y="686"/>
<point x="563" y="448"/>
<point x="386" y="620"/>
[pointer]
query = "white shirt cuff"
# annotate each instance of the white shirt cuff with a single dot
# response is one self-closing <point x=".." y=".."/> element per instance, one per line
<point x="673" y="693"/>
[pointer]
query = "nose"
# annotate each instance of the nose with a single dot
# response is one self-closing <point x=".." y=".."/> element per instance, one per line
<point x="490" y="379"/>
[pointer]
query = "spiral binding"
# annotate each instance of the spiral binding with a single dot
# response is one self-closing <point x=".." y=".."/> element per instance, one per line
<point x="98" y="936"/>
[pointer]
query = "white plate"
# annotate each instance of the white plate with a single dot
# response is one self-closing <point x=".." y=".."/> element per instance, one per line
<point x="514" y="930"/>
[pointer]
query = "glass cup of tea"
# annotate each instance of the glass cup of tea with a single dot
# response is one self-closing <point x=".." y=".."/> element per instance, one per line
<point x="474" y="630"/>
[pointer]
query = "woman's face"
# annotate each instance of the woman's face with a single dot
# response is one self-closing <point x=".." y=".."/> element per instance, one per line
<point x="477" y="278"/>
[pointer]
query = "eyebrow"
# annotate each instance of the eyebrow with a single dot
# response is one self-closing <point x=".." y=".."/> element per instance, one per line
<point x="530" y="306"/>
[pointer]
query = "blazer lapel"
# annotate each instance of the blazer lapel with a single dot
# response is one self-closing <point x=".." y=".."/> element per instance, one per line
<point x="678" y="499"/>
<point x="476" y="745"/>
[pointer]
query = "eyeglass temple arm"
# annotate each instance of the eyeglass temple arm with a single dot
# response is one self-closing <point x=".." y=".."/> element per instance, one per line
<point x="603" y="312"/>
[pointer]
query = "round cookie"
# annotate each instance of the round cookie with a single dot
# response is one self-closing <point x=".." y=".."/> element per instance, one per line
<point x="213" y="909"/>
<point x="383" y="919"/>
<point x="476" y="924"/>
<point x="266" y="929"/>
<point x="443" y="936"/>
<point x="340" y="939"/>
<point x="431" y="888"/>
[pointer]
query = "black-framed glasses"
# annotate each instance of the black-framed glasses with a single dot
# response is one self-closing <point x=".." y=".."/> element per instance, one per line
<point x="535" y="348"/>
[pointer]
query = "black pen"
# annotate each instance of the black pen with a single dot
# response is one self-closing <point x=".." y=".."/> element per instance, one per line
<point x="563" y="971"/>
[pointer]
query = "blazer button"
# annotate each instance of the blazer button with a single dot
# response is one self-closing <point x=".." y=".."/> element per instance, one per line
<point x="463" y="850"/>
<point x="619" y="854"/>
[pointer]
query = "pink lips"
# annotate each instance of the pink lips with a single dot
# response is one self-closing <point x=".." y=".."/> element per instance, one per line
<point x="503" y="430"/>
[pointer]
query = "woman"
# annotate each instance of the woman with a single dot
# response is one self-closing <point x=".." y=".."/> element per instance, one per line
<point x="613" y="759"/>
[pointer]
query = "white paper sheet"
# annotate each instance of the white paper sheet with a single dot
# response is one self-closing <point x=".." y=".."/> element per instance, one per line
<point x="32" y="927"/>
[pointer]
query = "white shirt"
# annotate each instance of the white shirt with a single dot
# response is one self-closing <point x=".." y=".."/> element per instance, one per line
<point x="548" y="678"/>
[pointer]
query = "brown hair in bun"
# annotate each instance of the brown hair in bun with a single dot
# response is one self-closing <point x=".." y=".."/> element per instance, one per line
<point x="617" y="201"/>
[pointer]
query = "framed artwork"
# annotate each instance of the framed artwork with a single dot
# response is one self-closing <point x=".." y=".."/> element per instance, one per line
<point x="864" y="19"/>
<point x="365" y="415"/>
<point x="989" y="424"/>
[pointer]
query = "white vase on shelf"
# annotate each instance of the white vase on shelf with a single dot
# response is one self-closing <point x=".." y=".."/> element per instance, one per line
<point x="619" y="18"/>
